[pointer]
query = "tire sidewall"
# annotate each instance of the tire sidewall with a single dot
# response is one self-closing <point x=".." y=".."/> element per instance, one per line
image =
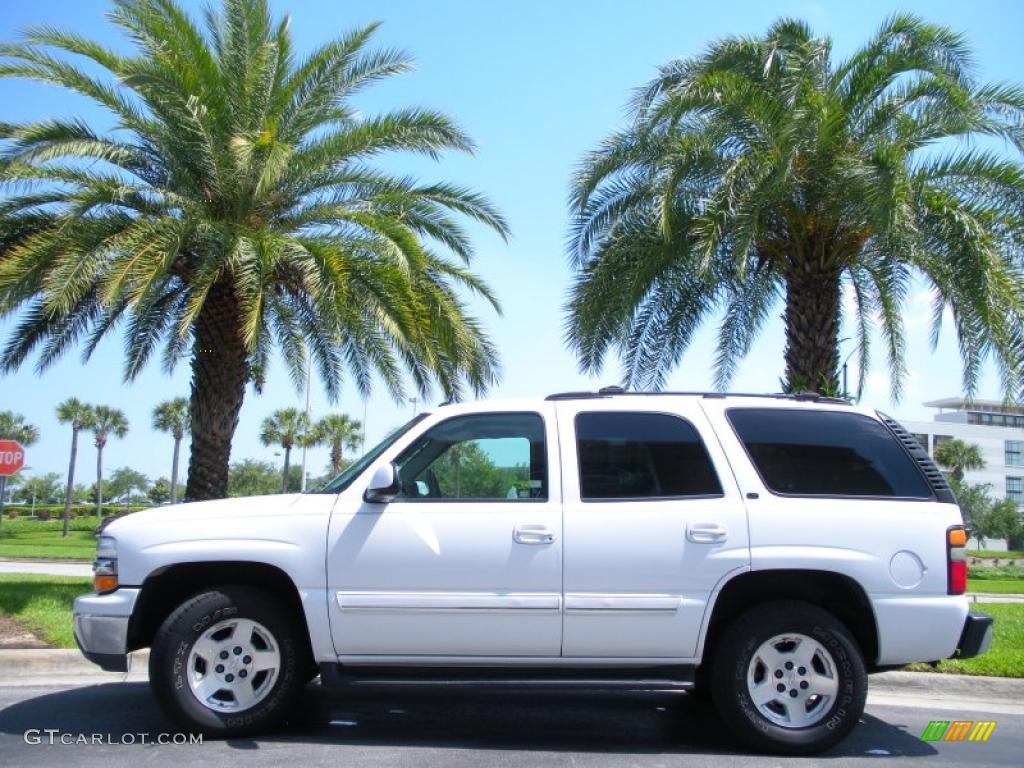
<point x="733" y="696"/>
<point x="169" y="662"/>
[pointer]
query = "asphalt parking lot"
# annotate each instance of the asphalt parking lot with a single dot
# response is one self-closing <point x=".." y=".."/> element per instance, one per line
<point x="403" y="726"/>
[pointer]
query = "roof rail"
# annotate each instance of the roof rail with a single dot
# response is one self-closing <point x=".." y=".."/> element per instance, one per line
<point x="612" y="391"/>
<point x="573" y="396"/>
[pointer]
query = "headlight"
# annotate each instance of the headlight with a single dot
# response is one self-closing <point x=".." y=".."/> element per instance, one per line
<point x="104" y="568"/>
<point x="106" y="546"/>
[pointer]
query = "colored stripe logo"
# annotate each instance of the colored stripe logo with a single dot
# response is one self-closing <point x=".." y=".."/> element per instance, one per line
<point x="958" y="730"/>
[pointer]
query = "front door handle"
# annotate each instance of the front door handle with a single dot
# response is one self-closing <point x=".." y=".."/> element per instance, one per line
<point x="706" y="533"/>
<point x="533" y="534"/>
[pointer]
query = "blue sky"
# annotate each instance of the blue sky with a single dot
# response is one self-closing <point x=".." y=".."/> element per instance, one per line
<point x="536" y="84"/>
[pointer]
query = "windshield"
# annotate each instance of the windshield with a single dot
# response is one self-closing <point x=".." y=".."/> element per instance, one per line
<point x="351" y="472"/>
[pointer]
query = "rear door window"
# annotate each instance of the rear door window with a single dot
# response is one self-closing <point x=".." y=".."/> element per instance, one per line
<point x="633" y="455"/>
<point x="826" y="453"/>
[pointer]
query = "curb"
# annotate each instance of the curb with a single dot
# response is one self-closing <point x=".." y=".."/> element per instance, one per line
<point x="43" y="561"/>
<point x="942" y="691"/>
<point x="994" y="597"/>
<point x="45" y="666"/>
<point x="59" y="666"/>
<point x="944" y="685"/>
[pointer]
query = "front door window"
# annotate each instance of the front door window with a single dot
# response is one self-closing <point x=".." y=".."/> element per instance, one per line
<point x="493" y="457"/>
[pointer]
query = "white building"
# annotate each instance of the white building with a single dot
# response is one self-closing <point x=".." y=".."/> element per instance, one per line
<point x="997" y="429"/>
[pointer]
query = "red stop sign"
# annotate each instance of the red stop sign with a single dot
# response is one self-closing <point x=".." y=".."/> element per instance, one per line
<point x="12" y="456"/>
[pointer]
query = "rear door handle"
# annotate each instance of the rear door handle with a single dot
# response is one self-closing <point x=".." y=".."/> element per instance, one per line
<point x="525" y="533"/>
<point x="706" y="533"/>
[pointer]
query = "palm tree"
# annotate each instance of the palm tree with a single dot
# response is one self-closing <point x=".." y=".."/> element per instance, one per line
<point x="105" y="422"/>
<point x="958" y="457"/>
<point x="173" y="416"/>
<point x="235" y="208"/>
<point x="79" y="415"/>
<point x="284" y="427"/>
<point x="14" y="427"/>
<point x="337" y="430"/>
<point x="764" y="169"/>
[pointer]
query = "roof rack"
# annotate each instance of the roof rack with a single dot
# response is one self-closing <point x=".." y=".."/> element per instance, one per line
<point x="604" y="392"/>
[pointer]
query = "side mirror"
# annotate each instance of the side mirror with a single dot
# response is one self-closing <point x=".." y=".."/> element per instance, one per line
<point x="384" y="485"/>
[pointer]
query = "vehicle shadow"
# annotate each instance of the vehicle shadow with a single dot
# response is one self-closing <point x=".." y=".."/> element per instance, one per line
<point x="454" y="717"/>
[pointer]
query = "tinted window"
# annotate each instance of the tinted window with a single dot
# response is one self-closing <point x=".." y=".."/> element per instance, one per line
<point x="1014" y="453"/>
<point x="497" y="456"/>
<point x="1015" y="489"/>
<point x="826" y="453"/>
<point x="641" y="455"/>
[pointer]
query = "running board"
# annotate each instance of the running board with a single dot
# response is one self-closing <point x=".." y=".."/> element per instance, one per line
<point x="648" y="678"/>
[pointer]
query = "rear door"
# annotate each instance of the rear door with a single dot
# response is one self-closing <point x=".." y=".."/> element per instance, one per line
<point x="653" y="524"/>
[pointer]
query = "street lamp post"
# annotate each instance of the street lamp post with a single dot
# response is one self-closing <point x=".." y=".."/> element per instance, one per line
<point x="309" y="363"/>
<point x="366" y="404"/>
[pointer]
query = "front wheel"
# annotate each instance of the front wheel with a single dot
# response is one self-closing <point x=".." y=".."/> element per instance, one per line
<point x="228" y="662"/>
<point x="789" y="678"/>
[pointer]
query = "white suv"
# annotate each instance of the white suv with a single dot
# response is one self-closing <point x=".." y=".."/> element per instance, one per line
<point x="767" y="550"/>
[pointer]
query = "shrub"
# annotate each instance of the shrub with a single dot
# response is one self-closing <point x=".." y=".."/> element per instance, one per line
<point x="982" y="572"/>
<point x="43" y="514"/>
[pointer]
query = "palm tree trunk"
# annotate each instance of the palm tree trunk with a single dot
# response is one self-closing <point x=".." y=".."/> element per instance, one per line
<point x="336" y="457"/>
<point x="812" y="330"/>
<point x="284" y="472"/>
<point x="174" y="471"/>
<point x="219" y="373"/>
<point x="69" y="491"/>
<point x="99" y="480"/>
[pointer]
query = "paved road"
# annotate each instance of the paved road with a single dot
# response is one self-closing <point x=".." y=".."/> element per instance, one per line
<point x="41" y="566"/>
<point x="415" y="727"/>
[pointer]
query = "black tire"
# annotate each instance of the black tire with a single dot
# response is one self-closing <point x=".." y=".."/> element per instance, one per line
<point x="171" y="650"/>
<point x="701" y="689"/>
<point x="834" y="717"/>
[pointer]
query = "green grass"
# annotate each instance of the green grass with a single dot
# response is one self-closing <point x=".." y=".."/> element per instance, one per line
<point x="1005" y="658"/>
<point x="78" y="545"/>
<point x="1000" y="573"/>
<point x="1013" y="554"/>
<point x="36" y="539"/>
<point x="43" y="603"/>
<point x="996" y="586"/>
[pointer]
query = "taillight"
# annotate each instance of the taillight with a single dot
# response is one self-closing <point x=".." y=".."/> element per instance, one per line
<point x="956" y="554"/>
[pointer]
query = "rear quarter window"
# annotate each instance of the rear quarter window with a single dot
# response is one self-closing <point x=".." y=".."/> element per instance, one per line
<point x="826" y="453"/>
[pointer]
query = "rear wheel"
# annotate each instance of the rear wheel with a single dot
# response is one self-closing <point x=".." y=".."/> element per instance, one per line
<point x="789" y="678"/>
<point x="228" y="662"/>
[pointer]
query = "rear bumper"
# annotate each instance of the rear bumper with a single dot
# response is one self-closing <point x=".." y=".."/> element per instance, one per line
<point x="918" y="628"/>
<point x="101" y="627"/>
<point x="976" y="636"/>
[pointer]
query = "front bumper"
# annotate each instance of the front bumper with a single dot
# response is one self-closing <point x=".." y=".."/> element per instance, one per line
<point x="101" y="627"/>
<point x="976" y="635"/>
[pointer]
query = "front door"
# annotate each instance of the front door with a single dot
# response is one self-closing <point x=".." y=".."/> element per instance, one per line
<point x="467" y="560"/>
<point x="653" y="524"/>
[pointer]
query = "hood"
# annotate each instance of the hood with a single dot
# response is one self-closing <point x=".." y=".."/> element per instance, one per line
<point x="242" y="506"/>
